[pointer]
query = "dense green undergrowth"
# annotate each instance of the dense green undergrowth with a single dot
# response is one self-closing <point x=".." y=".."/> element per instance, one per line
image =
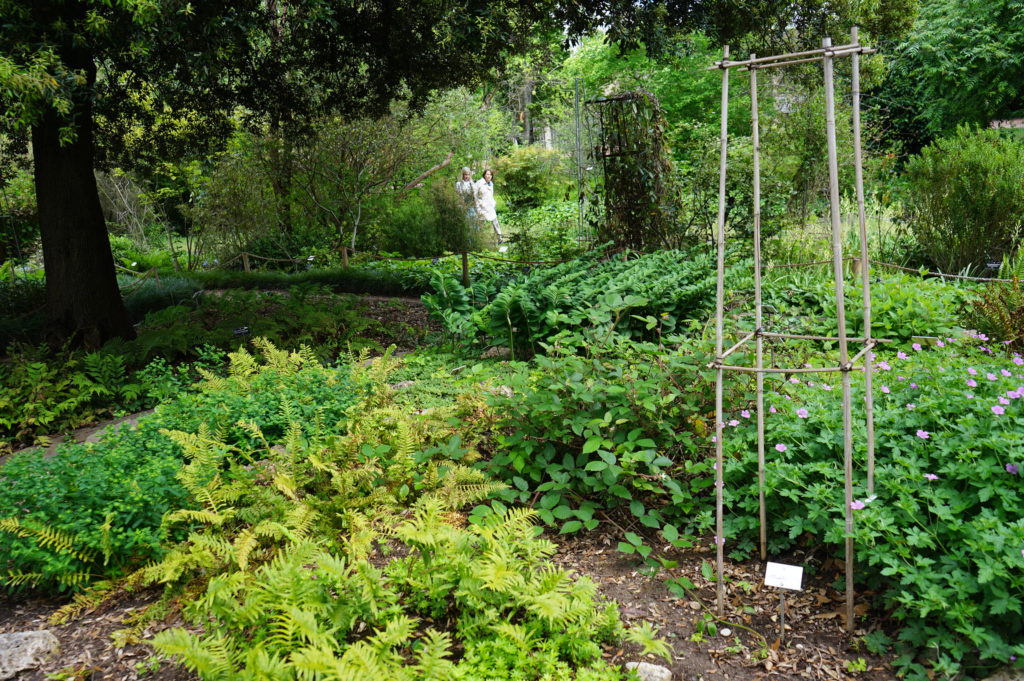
<point x="326" y="543"/>
<point x="95" y="509"/>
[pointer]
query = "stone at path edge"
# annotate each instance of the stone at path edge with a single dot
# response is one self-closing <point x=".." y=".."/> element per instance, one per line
<point x="25" y="650"/>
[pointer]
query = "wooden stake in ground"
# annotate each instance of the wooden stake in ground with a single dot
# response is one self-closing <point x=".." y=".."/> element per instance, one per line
<point x="758" y="313"/>
<point x="719" y="315"/>
<point x="844" y="351"/>
<point x="865" y="276"/>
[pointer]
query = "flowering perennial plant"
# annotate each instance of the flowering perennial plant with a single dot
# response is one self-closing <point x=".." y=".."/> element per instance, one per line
<point x="943" y="542"/>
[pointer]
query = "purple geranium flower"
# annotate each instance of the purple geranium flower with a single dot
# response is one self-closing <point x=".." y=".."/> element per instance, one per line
<point x="885" y="389"/>
<point x="857" y="504"/>
<point x="998" y="411"/>
<point x="781" y="447"/>
<point x="930" y="476"/>
<point x="802" y="413"/>
<point x="916" y="346"/>
<point x="1012" y="469"/>
<point x="923" y="434"/>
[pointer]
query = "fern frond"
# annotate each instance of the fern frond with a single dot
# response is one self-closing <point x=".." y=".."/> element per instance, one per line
<point x="645" y="635"/>
<point x="82" y="603"/>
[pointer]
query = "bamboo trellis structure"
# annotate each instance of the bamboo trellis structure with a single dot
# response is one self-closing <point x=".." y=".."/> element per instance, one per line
<point x="846" y="364"/>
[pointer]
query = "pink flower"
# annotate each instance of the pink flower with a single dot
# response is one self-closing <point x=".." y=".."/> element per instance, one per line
<point x="734" y="423"/>
<point x="810" y="384"/>
<point x="772" y="410"/>
<point x="990" y="377"/>
<point x="826" y="386"/>
<point x="885" y="389"/>
<point x="913" y="385"/>
<point x="982" y="336"/>
<point x="857" y="504"/>
<point x="1013" y="394"/>
<point x="1003" y="401"/>
<point x="923" y="434"/>
<point x="940" y="344"/>
<point x="745" y="414"/>
<point x="781" y="447"/>
<point x="884" y="366"/>
<point x="950" y="340"/>
<point x="916" y="346"/>
<point x="1006" y="373"/>
<point x="714" y="438"/>
<point x="971" y="382"/>
<point x="1018" y="361"/>
<point x="794" y="380"/>
<point x="930" y="476"/>
<point x="998" y="411"/>
<point x="911" y="406"/>
<point x="802" y="413"/>
<point x="901" y="378"/>
<point x="901" y="355"/>
<point x="972" y="371"/>
<point x="969" y="396"/>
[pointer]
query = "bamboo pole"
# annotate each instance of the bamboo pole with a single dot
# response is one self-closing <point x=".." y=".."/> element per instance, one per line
<point x="798" y="336"/>
<point x="808" y="60"/>
<point x="844" y="353"/>
<point x="719" y="315"/>
<point x="778" y="370"/>
<point x="758" y="313"/>
<point x="735" y="347"/>
<point x="465" y="269"/>
<point x="754" y="59"/>
<point x="865" y="277"/>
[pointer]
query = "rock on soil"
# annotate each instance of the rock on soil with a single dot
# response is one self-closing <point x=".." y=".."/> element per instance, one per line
<point x="650" y="672"/>
<point x="25" y="650"/>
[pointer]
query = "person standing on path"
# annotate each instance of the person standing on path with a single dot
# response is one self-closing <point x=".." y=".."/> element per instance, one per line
<point x="466" y="191"/>
<point x="485" y="205"/>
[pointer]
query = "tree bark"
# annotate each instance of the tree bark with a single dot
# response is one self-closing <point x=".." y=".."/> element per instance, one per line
<point x="83" y="301"/>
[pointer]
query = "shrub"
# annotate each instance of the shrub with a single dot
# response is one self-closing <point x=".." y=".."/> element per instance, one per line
<point x="965" y="199"/>
<point x="530" y="176"/>
<point x="429" y="222"/>
<point x="941" y="540"/>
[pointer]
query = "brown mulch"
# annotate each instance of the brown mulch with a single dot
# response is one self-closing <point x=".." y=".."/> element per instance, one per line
<point x="404" y="322"/>
<point x="816" y="645"/>
<point x="86" y="648"/>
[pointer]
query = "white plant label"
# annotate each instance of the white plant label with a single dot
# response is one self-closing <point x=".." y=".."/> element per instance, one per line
<point x="784" y="576"/>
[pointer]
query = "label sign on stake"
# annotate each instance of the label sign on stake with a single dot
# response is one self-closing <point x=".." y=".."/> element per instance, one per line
<point x="784" y="576"/>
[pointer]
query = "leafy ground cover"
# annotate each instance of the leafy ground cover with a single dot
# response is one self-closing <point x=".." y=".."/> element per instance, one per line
<point x="604" y="435"/>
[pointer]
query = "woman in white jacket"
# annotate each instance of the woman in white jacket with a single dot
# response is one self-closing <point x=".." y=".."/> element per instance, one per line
<point x="466" y="190"/>
<point x="485" y="205"/>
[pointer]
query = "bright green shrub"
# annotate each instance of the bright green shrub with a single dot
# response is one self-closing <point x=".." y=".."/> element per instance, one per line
<point x="965" y="199"/>
<point x="941" y="540"/>
<point x="529" y="176"/>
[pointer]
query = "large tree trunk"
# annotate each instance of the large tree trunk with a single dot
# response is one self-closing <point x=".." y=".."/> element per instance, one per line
<point x="83" y="301"/>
